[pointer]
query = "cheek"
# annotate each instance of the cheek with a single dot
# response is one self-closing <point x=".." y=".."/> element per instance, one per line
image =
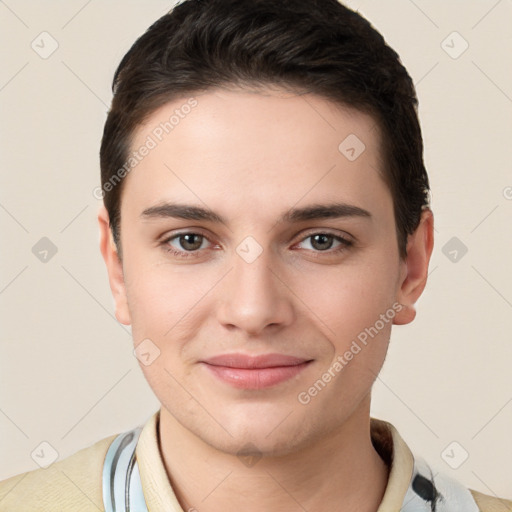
<point x="350" y="298"/>
<point x="356" y="310"/>
<point x="164" y="299"/>
<point x="152" y="302"/>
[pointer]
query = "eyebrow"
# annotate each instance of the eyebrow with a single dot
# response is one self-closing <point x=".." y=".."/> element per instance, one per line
<point x="294" y="215"/>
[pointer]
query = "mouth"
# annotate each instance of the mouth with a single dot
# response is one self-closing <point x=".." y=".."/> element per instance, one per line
<point x="255" y="372"/>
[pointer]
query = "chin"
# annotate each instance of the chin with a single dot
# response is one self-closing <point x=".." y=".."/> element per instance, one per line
<point x="266" y="437"/>
<point x="256" y="444"/>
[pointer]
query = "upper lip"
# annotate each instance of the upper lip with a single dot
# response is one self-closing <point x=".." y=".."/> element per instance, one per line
<point x="255" y="361"/>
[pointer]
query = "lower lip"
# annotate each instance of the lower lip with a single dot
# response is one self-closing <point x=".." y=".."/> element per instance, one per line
<point x="256" y="378"/>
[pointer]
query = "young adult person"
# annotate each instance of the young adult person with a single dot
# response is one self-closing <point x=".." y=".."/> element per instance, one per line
<point x="265" y="223"/>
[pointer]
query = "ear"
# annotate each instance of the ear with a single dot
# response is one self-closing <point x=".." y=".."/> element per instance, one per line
<point x="414" y="273"/>
<point x="114" y="267"/>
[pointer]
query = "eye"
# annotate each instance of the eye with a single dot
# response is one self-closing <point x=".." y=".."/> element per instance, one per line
<point x="324" y="242"/>
<point x="185" y="245"/>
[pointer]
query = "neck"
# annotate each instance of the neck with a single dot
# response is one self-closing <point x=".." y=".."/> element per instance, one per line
<point x="340" y="472"/>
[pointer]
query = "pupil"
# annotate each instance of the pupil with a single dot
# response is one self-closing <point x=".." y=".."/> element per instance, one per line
<point x="188" y="242"/>
<point x="320" y="240"/>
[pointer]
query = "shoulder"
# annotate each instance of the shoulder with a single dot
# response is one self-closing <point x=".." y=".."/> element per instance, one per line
<point x="74" y="483"/>
<point x="491" y="504"/>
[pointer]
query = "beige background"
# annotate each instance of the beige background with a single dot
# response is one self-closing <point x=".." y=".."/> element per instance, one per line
<point x="68" y="376"/>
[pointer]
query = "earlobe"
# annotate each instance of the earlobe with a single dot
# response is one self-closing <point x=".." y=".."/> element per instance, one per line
<point x="415" y="268"/>
<point x="114" y="267"/>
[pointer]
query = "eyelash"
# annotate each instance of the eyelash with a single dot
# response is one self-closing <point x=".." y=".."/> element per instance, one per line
<point x="345" y="244"/>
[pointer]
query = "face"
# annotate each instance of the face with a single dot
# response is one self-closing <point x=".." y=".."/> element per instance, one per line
<point x="260" y="266"/>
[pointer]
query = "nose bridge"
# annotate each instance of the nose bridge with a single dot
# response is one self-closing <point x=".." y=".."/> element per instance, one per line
<point x="254" y="297"/>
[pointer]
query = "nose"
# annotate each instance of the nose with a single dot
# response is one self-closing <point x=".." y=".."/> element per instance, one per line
<point x="255" y="297"/>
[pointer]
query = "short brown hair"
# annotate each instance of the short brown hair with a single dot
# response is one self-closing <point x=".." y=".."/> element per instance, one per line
<point x="315" y="46"/>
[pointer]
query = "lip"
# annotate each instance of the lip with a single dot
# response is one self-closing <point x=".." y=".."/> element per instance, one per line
<point x="255" y="372"/>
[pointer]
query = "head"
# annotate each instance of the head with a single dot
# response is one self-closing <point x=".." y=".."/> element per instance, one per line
<point x="264" y="192"/>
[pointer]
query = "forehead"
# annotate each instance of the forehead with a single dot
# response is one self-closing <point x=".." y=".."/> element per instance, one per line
<point x="264" y="150"/>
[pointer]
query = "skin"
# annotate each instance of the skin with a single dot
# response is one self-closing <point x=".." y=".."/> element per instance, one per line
<point x="251" y="156"/>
